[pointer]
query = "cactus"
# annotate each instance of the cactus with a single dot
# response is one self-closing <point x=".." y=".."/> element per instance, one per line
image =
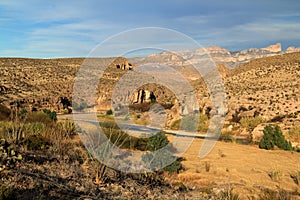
<point x="8" y="155"/>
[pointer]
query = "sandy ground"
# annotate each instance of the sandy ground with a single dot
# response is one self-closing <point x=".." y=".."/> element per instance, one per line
<point x="244" y="167"/>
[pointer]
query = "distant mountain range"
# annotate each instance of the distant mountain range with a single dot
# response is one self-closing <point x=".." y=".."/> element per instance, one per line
<point x="218" y="54"/>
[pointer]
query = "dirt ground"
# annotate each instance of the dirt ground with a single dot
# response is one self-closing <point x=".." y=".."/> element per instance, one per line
<point x="246" y="168"/>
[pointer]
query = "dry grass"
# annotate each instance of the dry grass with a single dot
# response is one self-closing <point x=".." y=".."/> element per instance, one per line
<point x="245" y="165"/>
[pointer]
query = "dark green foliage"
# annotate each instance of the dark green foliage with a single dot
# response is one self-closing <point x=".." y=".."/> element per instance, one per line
<point x="273" y="137"/>
<point x="157" y="141"/>
<point x="161" y="158"/>
<point x="123" y="140"/>
<point x="51" y="114"/>
<point x="109" y="112"/>
<point x="175" y="167"/>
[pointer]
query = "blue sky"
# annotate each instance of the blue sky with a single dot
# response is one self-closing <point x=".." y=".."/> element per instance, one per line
<point x="56" y="28"/>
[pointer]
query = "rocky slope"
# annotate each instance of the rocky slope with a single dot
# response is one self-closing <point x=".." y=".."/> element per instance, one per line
<point x="267" y="87"/>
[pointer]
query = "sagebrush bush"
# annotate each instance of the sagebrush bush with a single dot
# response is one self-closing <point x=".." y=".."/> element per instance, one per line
<point x="251" y="122"/>
<point x="188" y="123"/>
<point x="38" y="117"/>
<point x="294" y="134"/>
<point x="273" y="137"/>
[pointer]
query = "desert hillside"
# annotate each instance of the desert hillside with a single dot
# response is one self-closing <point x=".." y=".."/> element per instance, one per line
<point x="265" y="87"/>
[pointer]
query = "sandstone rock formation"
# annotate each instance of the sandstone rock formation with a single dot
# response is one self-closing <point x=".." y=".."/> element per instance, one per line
<point x="273" y="48"/>
<point x="219" y="55"/>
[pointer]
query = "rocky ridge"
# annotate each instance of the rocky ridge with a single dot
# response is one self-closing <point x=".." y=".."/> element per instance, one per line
<point x="218" y="54"/>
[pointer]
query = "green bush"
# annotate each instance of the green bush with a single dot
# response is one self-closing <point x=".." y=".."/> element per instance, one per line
<point x="109" y="112"/>
<point x="123" y="140"/>
<point x="156" y="142"/>
<point x="251" y="122"/>
<point x="273" y="137"/>
<point x="51" y="114"/>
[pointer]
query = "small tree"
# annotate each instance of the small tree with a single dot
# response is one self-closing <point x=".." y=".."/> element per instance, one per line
<point x="273" y="137"/>
<point x="155" y="143"/>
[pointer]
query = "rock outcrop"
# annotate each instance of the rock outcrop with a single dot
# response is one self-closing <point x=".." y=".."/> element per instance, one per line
<point x="219" y="55"/>
<point x="275" y="48"/>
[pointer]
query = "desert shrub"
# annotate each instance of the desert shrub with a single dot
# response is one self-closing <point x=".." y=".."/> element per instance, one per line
<point x="268" y="194"/>
<point x="296" y="177"/>
<point x="6" y="193"/>
<point x="294" y="134"/>
<point x="228" y="194"/>
<point x="51" y="114"/>
<point x="227" y="137"/>
<point x="251" y="122"/>
<point x="36" y="142"/>
<point x="155" y="143"/>
<point x="8" y="154"/>
<point x="273" y="137"/>
<point x="123" y="140"/>
<point x="38" y="117"/>
<point x="34" y="128"/>
<point x="175" y="124"/>
<point x="109" y="112"/>
<point x="4" y="112"/>
<point x="67" y="127"/>
<point x="188" y="123"/>
<point x="275" y="175"/>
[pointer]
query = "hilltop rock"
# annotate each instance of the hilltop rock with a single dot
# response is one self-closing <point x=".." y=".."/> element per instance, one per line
<point x="292" y="49"/>
<point x="184" y="58"/>
<point x="275" y="48"/>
